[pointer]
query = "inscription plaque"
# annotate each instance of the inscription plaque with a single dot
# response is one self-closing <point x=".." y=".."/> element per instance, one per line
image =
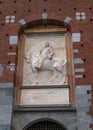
<point x="44" y="97"/>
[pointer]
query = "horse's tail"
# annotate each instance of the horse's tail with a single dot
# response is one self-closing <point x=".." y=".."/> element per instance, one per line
<point x="65" y="61"/>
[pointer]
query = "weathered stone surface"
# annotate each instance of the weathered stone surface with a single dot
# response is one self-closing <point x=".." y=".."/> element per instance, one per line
<point x="83" y="104"/>
<point x="22" y="21"/>
<point x="67" y="19"/>
<point x="6" y="99"/>
<point x="76" y="37"/>
<point x="78" y="61"/>
<point x="68" y="119"/>
<point x="44" y="15"/>
<point x="13" y="40"/>
<point x="5" y="127"/>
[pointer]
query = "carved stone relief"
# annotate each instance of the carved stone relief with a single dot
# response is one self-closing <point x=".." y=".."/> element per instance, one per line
<point x="45" y="61"/>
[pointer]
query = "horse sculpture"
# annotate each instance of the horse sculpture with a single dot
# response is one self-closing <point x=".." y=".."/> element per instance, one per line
<point x="46" y="61"/>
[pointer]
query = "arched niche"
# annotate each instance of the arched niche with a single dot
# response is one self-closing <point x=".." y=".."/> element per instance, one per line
<point x="47" y="23"/>
<point x="43" y="28"/>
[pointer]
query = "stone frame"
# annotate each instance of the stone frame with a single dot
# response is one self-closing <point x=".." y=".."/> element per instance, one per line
<point x="19" y="72"/>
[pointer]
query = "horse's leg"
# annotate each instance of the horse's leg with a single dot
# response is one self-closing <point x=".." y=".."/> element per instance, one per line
<point x="63" y="78"/>
<point x="35" y="73"/>
<point x="53" y="77"/>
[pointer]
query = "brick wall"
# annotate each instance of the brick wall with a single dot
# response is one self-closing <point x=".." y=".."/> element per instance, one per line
<point x="78" y="14"/>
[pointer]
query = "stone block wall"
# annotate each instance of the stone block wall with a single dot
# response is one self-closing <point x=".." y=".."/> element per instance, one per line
<point x="65" y="118"/>
<point x="6" y="105"/>
<point x="82" y="103"/>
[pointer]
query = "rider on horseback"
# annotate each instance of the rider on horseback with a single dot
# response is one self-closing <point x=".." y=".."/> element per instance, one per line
<point x="46" y="53"/>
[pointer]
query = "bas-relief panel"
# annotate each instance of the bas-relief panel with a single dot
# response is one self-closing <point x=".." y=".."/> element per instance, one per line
<point x="45" y="61"/>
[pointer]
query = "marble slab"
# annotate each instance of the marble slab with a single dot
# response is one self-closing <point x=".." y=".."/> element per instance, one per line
<point x="44" y="97"/>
